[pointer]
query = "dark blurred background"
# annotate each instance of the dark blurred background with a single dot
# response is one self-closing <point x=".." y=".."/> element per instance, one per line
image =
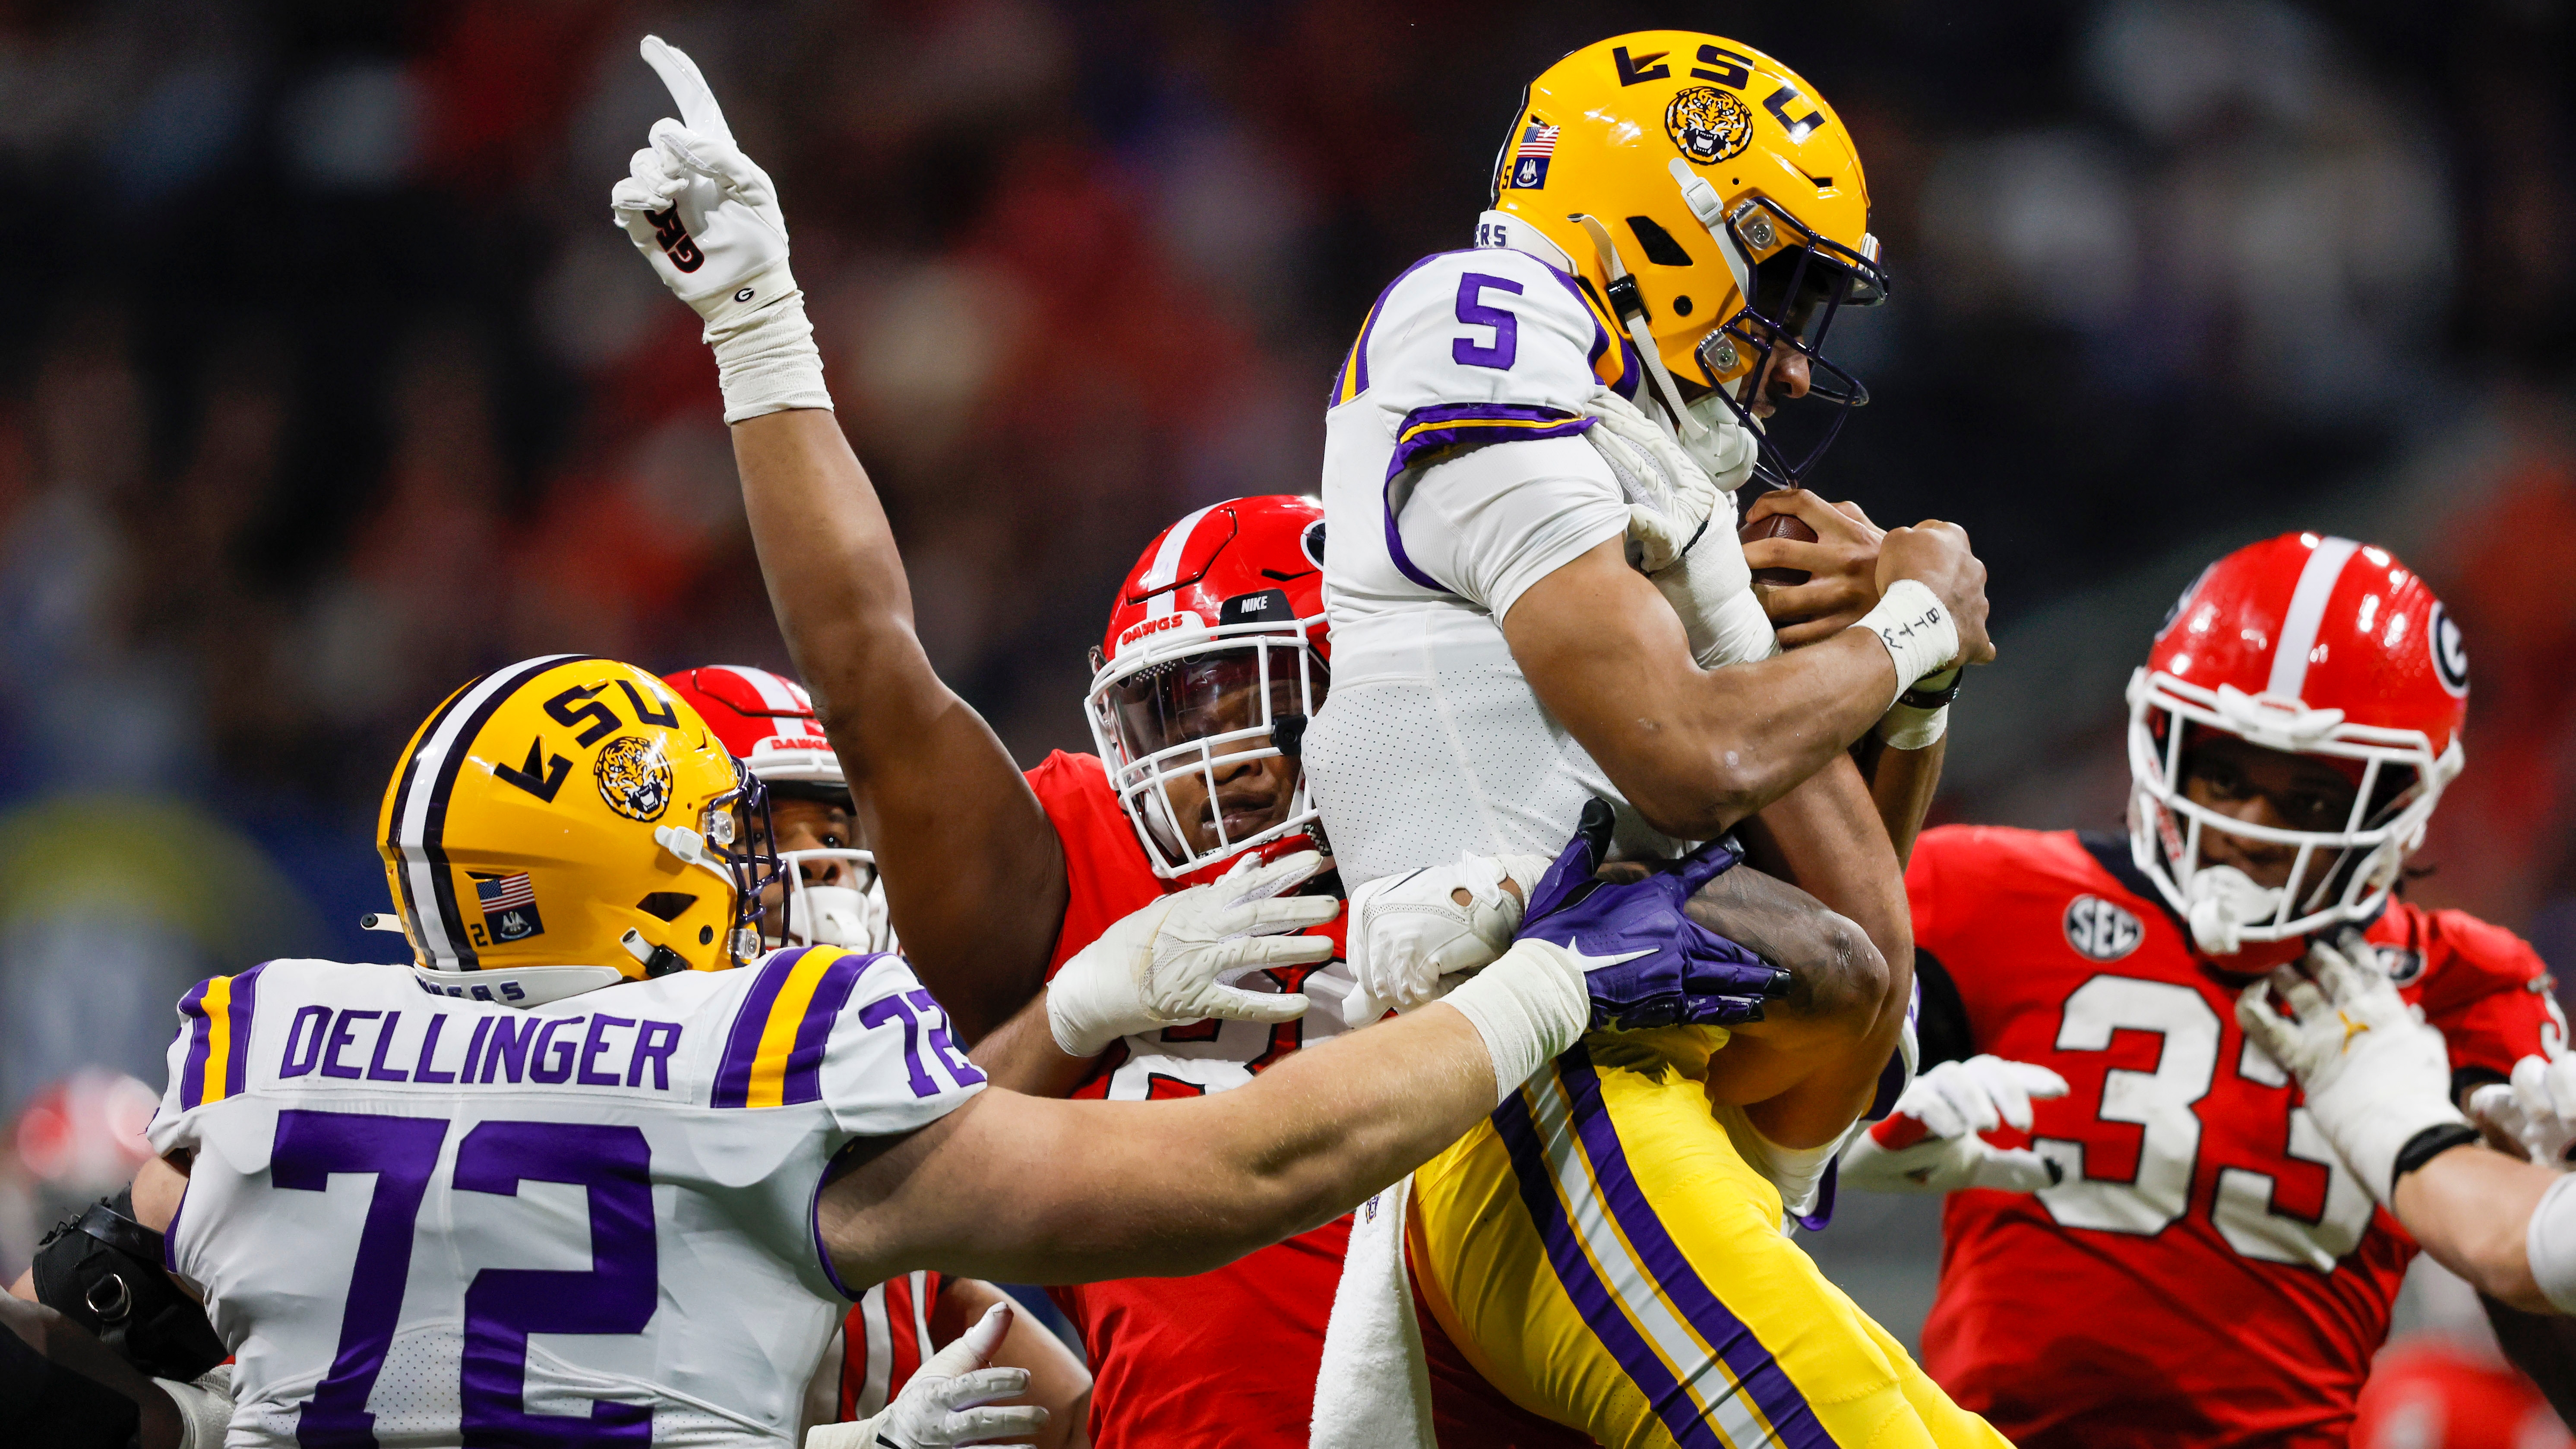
<point x="326" y="383"/>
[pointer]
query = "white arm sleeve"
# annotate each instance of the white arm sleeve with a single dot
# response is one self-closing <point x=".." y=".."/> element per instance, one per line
<point x="1495" y="521"/>
<point x="2550" y="1243"/>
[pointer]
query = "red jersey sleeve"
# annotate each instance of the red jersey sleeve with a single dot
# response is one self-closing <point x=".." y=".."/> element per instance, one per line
<point x="1105" y="873"/>
<point x="2488" y="991"/>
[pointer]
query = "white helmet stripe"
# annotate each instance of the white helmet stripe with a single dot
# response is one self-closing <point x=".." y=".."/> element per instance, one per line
<point x="427" y="775"/>
<point x="2307" y="614"/>
<point x="1167" y="563"/>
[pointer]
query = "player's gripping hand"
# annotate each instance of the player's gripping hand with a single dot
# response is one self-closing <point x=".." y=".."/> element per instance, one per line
<point x="699" y="210"/>
<point x="1407" y="932"/>
<point x="2375" y="1074"/>
<point x="1932" y="1142"/>
<point x="1646" y="963"/>
<point x="1936" y="555"/>
<point x="1173" y="962"/>
<point x="2536" y="1111"/>
<point x="1841" y="565"/>
<point x="942" y="1404"/>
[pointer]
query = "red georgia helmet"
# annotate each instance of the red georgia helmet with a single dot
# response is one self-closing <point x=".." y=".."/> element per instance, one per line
<point x="2310" y="645"/>
<point x="766" y="719"/>
<point x="1215" y="656"/>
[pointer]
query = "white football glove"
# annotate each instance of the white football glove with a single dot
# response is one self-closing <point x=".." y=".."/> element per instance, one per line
<point x="1674" y="493"/>
<point x="707" y="218"/>
<point x="1171" y="963"/>
<point x="699" y="210"/>
<point x="2537" y="1110"/>
<point x="205" y="1407"/>
<point x="1930" y="1143"/>
<point x="2375" y="1074"/>
<point x="940" y="1404"/>
<point x="1681" y="530"/>
<point x="1409" y="931"/>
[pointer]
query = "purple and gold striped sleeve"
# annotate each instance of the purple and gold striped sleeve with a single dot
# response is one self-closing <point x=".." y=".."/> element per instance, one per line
<point x="215" y="1018"/>
<point x="773" y="1055"/>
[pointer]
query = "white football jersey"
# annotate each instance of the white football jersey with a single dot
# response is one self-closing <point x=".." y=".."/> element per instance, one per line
<point x="419" y="1219"/>
<point x="1432" y="741"/>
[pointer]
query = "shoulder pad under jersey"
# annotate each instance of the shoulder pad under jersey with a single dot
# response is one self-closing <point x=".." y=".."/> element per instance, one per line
<point x="1486" y="339"/>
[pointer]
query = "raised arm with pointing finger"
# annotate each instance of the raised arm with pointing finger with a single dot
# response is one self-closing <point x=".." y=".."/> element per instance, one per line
<point x="973" y="874"/>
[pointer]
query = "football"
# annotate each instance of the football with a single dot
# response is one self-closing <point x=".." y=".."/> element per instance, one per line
<point x="1778" y="525"/>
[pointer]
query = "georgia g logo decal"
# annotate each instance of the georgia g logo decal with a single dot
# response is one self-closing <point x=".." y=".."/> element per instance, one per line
<point x="2450" y="652"/>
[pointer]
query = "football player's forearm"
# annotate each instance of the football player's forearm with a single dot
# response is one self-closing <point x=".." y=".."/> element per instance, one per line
<point x="1021" y="1055"/>
<point x="2471" y="1209"/>
<point x="1812" y="1066"/>
<point x="1902" y="784"/>
<point x="974" y="874"/>
<point x="1018" y="1189"/>
<point x="1693" y="750"/>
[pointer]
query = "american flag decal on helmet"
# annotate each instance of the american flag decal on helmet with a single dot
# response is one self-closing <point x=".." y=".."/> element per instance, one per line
<point x="1530" y="158"/>
<point x="510" y="906"/>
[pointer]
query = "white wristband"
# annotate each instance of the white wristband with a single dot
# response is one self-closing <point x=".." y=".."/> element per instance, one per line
<point x="766" y="361"/>
<point x="2550" y="1244"/>
<point x="1917" y="629"/>
<point x="1529" y="1005"/>
<point x="1912" y="727"/>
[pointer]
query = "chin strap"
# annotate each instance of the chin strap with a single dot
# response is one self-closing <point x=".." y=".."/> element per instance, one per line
<point x="1631" y="310"/>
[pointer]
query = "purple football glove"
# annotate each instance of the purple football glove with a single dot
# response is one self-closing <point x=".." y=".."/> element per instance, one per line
<point x="1660" y="968"/>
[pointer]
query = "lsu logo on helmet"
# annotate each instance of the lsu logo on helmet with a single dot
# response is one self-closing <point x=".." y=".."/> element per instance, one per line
<point x="634" y="778"/>
<point x="1708" y="125"/>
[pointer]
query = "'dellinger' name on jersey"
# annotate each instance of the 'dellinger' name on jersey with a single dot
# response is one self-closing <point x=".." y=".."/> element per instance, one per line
<point x="424" y="1220"/>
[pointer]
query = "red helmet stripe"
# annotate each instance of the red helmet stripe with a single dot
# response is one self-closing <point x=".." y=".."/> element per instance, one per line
<point x="2307" y="613"/>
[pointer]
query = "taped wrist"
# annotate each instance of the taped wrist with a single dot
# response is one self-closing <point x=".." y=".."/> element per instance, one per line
<point x="1920" y="635"/>
<point x="1528" y="1006"/>
<point x="205" y="1407"/>
<point x="2395" y="1139"/>
<point x="2550" y="1244"/>
<point x="766" y="361"/>
<point x="1921" y="715"/>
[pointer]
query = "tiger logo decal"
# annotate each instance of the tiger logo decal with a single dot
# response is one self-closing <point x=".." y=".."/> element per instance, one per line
<point x="1708" y="124"/>
<point x="634" y="778"/>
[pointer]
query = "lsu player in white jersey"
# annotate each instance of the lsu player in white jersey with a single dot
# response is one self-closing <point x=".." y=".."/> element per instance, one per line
<point x="595" y="1171"/>
<point x="1538" y="600"/>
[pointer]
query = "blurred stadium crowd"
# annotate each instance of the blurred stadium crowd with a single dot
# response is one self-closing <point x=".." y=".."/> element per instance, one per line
<point x="328" y="382"/>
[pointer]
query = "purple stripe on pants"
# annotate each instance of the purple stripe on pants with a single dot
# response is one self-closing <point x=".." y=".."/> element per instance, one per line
<point x="1591" y="1296"/>
<point x="1754" y="1365"/>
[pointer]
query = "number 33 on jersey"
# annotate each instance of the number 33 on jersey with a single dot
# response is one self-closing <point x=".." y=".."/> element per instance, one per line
<point x="2205" y="1249"/>
<point x="455" y="1217"/>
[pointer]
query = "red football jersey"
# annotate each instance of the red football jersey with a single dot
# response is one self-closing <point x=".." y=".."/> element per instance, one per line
<point x="1227" y="1357"/>
<point x="2209" y="1273"/>
<point x="885" y="1339"/>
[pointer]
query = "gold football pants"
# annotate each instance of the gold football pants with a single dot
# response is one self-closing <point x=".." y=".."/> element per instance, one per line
<point x="1605" y="1258"/>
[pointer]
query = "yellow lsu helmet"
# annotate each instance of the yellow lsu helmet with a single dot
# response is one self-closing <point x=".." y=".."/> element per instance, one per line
<point x="1713" y="200"/>
<point x="573" y="811"/>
